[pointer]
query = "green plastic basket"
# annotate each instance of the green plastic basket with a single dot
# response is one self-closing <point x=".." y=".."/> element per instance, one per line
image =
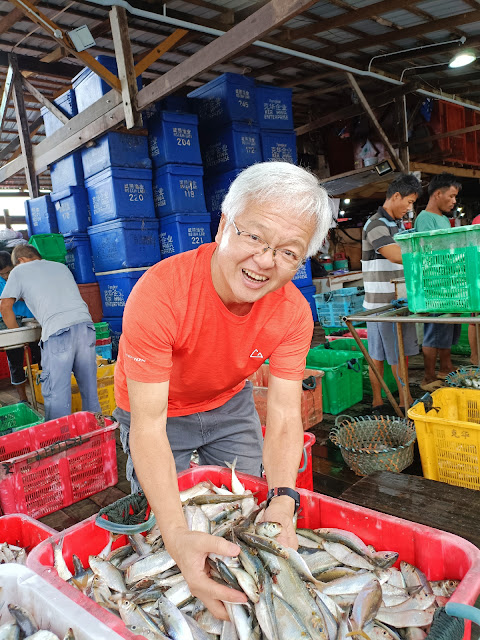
<point x="15" y="417"/>
<point x="342" y="384"/>
<point x="463" y="346"/>
<point x="442" y="269"/>
<point x="51" y="246"/>
<point x="349" y="344"/>
<point x="102" y="330"/>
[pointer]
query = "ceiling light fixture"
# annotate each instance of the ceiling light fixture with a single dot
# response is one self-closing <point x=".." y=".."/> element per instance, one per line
<point x="467" y="56"/>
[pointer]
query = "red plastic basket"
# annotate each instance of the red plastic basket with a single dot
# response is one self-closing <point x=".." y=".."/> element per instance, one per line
<point x="439" y="554"/>
<point x="4" y="370"/>
<point x="305" y="470"/>
<point x="23" y="531"/>
<point x="57" y="463"/>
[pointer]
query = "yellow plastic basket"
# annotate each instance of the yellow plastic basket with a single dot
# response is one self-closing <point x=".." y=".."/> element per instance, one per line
<point x="105" y="386"/>
<point x="448" y="433"/>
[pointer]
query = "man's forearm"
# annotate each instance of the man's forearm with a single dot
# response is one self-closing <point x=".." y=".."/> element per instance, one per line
<point x="155" y="467"/>
<point x="9" y="318"/>
<point x="282" y="453"/>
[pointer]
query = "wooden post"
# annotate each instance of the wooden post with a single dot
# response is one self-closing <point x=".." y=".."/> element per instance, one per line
<point x="23" y="129"/>
<point x="6" y="219"/>
<point x="395" y="159"/>
<point x="403" y="132"/>
<point x="7" y="89"/>
<point x="125" y="65"/>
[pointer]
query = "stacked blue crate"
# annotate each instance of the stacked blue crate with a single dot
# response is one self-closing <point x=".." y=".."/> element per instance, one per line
<point x="69" y="197"/>
<point x="303" y="280"/>
<point x="229" y="134"/>
<point x="123" y="231"/>
<point x="177" y="176"/>
<point x="275" y="117"/>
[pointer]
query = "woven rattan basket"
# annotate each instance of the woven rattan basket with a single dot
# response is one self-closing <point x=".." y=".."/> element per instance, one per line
<point x="374" y="443"/>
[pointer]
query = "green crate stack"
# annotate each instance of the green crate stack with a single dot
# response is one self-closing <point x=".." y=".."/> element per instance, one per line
<point x="15" y="417"/>
<point x="349" y="344"/>
<point x="102" y="330"/>
<point x="342" y="384"/>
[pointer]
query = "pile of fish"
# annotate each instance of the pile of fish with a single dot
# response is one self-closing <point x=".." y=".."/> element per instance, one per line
<point x="12" y="553"/>
<point x="24" y="627"/>
<point x="332" y="588"/>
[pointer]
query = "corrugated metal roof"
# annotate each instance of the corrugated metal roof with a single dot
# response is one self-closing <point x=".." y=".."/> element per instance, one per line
<point x="444" y="8"/>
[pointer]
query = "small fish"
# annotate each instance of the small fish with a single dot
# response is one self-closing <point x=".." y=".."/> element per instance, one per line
<point x="108" y="572"/>
<point x="268" y="529"/>
<point x="237" y="487"/>
<point x="444" y="588"/>
<point x="23" y="619"/>
<point x="59" y="562"/>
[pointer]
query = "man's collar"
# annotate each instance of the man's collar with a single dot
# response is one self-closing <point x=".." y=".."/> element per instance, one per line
<point x="385" y="214"/>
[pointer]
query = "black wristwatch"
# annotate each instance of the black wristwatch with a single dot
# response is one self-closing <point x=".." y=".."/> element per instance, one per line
<point x="284" y="491"/>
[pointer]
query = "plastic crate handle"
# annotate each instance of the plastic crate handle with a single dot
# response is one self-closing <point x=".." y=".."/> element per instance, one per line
<point x="304" y="461"/>
<point x="309" y="384"/>
<point x="354" y="364"/>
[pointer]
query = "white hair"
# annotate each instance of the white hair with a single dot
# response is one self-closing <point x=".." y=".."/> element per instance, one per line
<point x="295" y="189"/>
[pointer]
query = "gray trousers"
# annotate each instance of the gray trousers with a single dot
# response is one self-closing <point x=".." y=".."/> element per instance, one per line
<point x="219" y="435"/>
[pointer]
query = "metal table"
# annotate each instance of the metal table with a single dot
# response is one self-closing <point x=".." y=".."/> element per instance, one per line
<point x="393" y="314"/>
<point x="20" y="337"/>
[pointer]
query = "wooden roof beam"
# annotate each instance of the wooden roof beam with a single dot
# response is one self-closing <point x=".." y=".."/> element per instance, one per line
<point x="62" y="38"/>
<point x="157" y="52"/>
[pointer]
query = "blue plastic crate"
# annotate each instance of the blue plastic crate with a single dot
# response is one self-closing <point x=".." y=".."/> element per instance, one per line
<point x="178" y="188"/>
<point x="279" y="145"/>
<point x="228" y="98"/>
<point x="89" y="87"/>
<point x="72" y="210"/>
<point x="303" y="277"/>
<point x="79" y="257"/>
<point x="216" y="188"/>
<point x="274" y="107"/>
<point x="67" y="104"/>
<point x="214" y="222"/>
<point x="234" y="147"/>
<point x="308" y="293"/>
<point x="179" y="233"/>
<point x="120" y="193"/>
<point x="67" y="172"/>
<point x="116" y="150"/>
<point x="124" y="244"/>
<point x="40" y="215"/>
<point x="332" y="306"/>
<point x="104" y="350"/>
<point x="115" y="287"/>
<point x="173" y="138"/>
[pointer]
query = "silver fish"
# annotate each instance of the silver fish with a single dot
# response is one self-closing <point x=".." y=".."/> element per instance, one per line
<point x="23" y="619"/>
<point x="59" y="562"/>
<point x="366" y="605"/>
<point x="346" y="556"/>
<point x="173" y="620"/>
<point x="112" y="576"/>
<point x="151" y="565"/>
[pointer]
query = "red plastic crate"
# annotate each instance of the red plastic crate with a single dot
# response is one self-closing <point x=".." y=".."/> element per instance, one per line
<point x="61" y="462"/>
<point x="311" y="404"/>
<point x="305" y="470"/>
<point x="23" y="531"/>
<point x="4" y="370"/>
<point x="437" y="553"/>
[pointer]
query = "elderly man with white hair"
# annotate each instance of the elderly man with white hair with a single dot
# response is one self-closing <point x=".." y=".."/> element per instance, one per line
<point x="195" y="327"/>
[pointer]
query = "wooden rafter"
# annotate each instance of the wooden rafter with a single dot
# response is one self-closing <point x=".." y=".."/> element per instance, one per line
<point x="157" y="52"/>
<point x="7" y="89"/>
<point x="23" y="129"/>
<point x="62" y="38"/>
<point x="45" y="101"/>
<point x="377" y="126"/>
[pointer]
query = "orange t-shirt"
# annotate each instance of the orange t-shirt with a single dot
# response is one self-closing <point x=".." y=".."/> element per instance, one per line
<point x="176" y="328"/>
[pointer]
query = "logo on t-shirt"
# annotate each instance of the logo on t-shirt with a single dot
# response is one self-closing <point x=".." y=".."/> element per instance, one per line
<point x="256" y="354"/>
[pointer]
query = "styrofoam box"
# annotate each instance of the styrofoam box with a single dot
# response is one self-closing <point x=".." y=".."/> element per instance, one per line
<point x="51" y="609"/>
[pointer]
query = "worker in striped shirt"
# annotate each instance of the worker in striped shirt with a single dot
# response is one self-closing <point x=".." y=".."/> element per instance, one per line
<point x="382" y="263"/>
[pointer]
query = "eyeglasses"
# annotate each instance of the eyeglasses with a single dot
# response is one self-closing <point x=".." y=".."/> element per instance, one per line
<point x="284" y="258"/>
